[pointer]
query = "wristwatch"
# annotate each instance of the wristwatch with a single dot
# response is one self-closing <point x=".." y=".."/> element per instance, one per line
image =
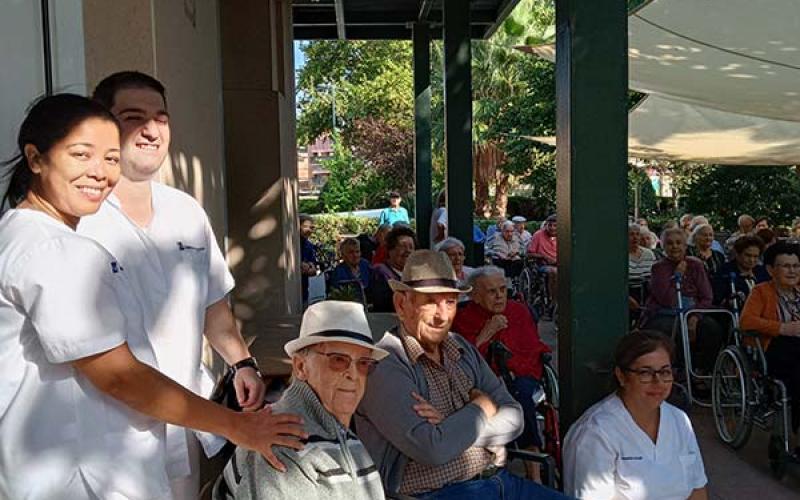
<point x="246" y="363"/>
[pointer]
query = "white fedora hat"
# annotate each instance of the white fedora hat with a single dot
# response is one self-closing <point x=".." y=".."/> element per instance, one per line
<point x="335" y="321"/>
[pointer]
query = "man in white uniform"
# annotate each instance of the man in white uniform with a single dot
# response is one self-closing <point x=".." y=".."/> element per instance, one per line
<point x="163" y="239"/>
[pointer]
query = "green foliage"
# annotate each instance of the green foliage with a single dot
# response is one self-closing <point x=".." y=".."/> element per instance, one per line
<point x="637" y="178"/>
<point x="368" y="78"/>
<point x="309" y="206"/>
<point x="724" y="192"/>
<point x="351" y="186"/>
<point x="331" y="228"/>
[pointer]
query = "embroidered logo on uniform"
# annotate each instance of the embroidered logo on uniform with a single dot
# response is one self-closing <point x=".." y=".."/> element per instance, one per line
<point x="116" y="267"/>
<point x="183" y="247"/>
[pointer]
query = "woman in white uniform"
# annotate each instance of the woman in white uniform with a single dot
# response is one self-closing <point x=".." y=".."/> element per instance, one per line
<point x="81" y="407"/>
<point x="633" y="445"/>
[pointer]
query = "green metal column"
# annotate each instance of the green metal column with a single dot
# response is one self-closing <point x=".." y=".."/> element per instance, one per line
<point x="592" y="135"/>
<point x="422" y="132"/>
<point x="458" y="120"/>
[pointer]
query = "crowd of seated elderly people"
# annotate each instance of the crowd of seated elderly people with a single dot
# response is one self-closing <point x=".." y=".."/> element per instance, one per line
<point x="437" y="414"/>
<point x="420" y="413"/>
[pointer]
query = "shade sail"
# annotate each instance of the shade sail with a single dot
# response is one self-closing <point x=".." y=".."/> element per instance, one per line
<point x="664" y="129"/>
<point x="723" y="78"/>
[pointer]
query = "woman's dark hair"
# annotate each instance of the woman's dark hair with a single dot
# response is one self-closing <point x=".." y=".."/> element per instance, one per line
<point x="744" y="242"/>
<point x="107" y="89"/>
<point x="767" y="235"/>
<point x="638" y="343"/>
<point x="780" y="248"/>
<point x="49" y="121"/>
<point x="396" y="233"/>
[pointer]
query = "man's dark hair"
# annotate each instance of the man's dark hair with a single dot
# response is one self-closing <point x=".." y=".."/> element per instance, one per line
<point x="743" y="243"/>
<point x="396" y="233"/>
<point x="107" y="89"/>
<point x="780" y="248"/>
<point x="304" y="218"/>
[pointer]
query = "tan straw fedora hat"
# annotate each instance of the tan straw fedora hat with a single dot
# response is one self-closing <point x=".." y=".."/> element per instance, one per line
<point x="427" y="271"/>
<point x="335" y="321"/>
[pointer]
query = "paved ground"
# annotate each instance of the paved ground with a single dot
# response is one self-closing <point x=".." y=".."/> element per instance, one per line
<point x="732" y="475"/>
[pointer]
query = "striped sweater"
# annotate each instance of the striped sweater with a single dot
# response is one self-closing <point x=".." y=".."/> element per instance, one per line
<point x="333" y="465"/>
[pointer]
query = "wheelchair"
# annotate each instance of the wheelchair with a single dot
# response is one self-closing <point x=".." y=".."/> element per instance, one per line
<point x="532" y="285"/>
<point x="547" y="404"/>
<point x="690" y="375"/>
<point x="744" y="395"/>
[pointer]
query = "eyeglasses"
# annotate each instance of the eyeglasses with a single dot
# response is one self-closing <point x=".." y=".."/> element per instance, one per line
<point x="339" y="362"/>
<point x="648" y="375"/>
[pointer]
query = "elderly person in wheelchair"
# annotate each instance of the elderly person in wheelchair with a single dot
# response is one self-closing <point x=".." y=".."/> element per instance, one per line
<point x="490" y="317"/>
<point x="434" y="416"/>
<point x="773" y="311"/>
<point x="506" y="250"/>
<point x="330" y="363"/>
<point x="705" y="333"/>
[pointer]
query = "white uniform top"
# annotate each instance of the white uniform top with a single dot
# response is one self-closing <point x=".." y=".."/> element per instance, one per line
<point x="607" y="456"/>
<point x="64" y="298"/>
<point x="178" y="271"/>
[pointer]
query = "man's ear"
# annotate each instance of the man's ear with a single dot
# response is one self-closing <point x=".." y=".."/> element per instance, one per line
<point x="33" y="158"/>
<point x="399" y="301"/>
<point x="300" y="367"/>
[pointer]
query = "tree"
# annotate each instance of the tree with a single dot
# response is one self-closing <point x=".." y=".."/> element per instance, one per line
<point x="366" y="79"/>
<point x="388" y="149"/>
<point x="724" y="192"/>
<point x="351" y="185"/>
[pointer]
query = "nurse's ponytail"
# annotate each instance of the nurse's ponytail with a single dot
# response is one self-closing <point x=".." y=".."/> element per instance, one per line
<point x="49" y="120"/>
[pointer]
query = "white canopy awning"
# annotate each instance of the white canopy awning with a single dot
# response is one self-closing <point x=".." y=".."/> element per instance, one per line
<point x="661" y="128"/>
<point x="724" y="80"/>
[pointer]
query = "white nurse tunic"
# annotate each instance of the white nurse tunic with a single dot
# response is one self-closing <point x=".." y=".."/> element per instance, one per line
<point x="178" y="271"/>
<point x="608" y="457"/>
<point x="64" y="298"/>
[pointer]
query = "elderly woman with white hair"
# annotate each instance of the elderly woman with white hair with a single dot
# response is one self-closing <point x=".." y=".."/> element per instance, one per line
<point x="454" y="249"/>
<point x="331" y="360"/>
<point x="701" y="246"/>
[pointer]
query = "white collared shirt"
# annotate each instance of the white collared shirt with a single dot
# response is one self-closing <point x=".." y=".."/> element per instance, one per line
<point x="178" y="271"/>
<point x="607" y="456"/>
<point x="64" y="298"/>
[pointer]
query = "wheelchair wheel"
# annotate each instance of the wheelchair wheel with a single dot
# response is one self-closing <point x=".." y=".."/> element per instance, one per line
<point x="731" y="391"/>
<point x="526" y="285"/>
<point x="551" y="386"/>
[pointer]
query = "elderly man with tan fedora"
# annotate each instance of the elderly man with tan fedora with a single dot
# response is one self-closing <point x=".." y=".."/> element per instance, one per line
<point x="434" y="416"/>
<point x="331" y="361"/>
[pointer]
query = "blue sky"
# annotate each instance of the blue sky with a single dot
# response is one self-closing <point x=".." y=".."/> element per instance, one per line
<point x="299" y="59"/>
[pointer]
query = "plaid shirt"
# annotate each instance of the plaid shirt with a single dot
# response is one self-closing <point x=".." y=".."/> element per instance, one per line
<point x="449" y="391"/>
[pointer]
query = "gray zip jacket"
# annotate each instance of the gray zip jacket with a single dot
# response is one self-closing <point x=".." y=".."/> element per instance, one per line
<point x="333" y="465"/>
<point x="393" y="432"/>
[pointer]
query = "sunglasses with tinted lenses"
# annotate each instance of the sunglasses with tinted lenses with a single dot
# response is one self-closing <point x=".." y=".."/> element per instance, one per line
<point x="339" y="362"/>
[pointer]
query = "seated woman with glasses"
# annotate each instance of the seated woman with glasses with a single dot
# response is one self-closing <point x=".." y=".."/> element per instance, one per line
<point x="773" y="310"/>
<point x="633" y="445"/>
<point x="331" y="361"/>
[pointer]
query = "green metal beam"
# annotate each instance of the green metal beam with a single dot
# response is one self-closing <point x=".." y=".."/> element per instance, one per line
<point x="422" y="131"/>
<point x="458" y="120"/>
<point x="591" y="87"/>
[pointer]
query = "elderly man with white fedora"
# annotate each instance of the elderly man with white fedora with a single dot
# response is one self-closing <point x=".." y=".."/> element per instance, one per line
<point x="331" y="360"/>
<point x="519" y="225"/>
<point x="434" y="416"/>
